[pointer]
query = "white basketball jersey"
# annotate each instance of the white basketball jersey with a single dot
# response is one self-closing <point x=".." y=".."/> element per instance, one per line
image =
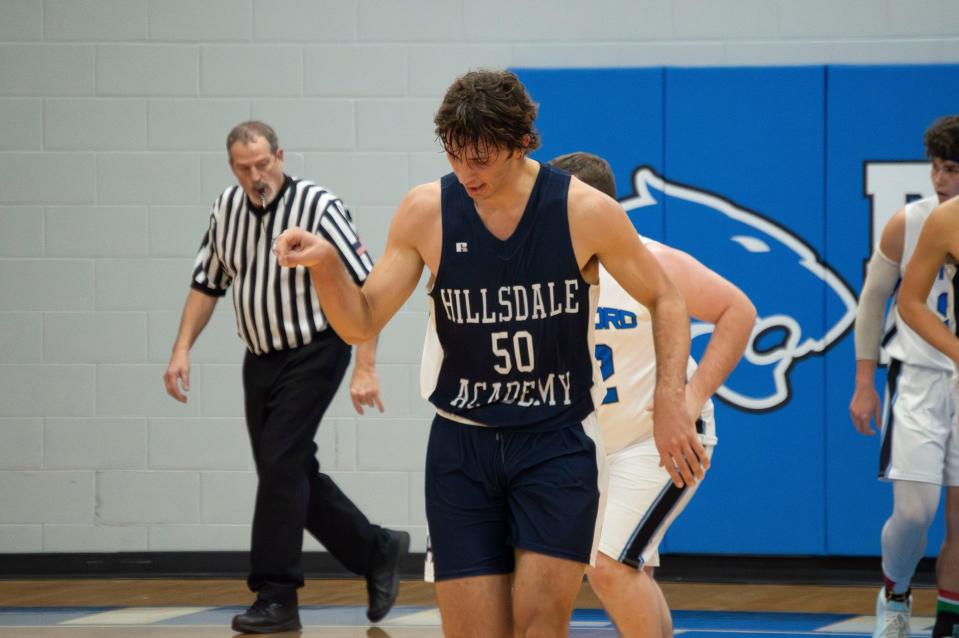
<point x="904" y="344"/>
<point x="627" y="361"/>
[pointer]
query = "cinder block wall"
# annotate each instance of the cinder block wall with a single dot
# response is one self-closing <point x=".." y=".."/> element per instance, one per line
<point x="112" y="120"/>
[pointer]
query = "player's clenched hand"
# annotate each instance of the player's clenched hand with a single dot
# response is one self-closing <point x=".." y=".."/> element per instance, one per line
<point x="681" y="452"/>
<point x="865" y="407"/>
<point x="297" y="247"/>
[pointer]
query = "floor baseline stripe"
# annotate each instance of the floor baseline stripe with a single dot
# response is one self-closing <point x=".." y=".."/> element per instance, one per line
<point x="136" y="616"/>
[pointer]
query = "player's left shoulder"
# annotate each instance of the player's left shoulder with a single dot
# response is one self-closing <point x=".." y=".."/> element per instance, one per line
<point x="583" y="196"/>
<point x="590" y="210"/>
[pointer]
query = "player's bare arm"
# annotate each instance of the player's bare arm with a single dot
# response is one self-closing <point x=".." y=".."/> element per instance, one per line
<point x="600" y="229"/>
<point x="713" y="299"/>
<point x="357" y="314"/>
<point x="938" y="243"/>
<point x="881" y="278"/>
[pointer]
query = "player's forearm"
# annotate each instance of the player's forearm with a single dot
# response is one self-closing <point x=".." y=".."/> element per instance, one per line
<point x="366" y="354"/>
<point x="671" y="342"/>
<point x="865" y="373"/>
<point x="196" y="314"/>
<point x="725" y="348"/>
<point x="342" y="301"/>
<point x="869" y="323"/>
<point x="929" y="326"/>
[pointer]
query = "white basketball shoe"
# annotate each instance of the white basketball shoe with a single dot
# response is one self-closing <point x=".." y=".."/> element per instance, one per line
<point x="892" y="616"/>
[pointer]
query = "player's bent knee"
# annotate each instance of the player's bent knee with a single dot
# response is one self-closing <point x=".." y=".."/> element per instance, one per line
<point x="535" y="609"/>
<point x="608" y="575"/>
<point x="916" y="516"/>
<point x="541" y="615"/>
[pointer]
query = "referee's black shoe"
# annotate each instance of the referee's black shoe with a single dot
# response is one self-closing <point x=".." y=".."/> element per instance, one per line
<point x="268" y="617"/>
<point x="383" y="581"/>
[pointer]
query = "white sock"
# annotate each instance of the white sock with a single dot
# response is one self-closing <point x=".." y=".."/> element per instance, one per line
<point x="904" y="534"/>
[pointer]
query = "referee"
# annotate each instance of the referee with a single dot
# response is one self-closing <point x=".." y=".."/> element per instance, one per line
<point x="293" y="366"/>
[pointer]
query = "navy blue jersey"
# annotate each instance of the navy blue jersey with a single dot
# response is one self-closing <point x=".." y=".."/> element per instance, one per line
<point x="513" y="317"/>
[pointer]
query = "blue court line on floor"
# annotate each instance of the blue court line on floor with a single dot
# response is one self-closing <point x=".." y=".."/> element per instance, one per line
<point x="742" y="620"/>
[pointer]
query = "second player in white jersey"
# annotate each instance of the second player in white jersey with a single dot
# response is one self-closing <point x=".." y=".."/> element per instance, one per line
<point x="642" y="501"/>
<point x="632" y="530"/>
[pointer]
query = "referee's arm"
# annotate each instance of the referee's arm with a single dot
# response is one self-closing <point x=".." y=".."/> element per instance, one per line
<point x="209" y="284"/>
<point x="197" y="311"/>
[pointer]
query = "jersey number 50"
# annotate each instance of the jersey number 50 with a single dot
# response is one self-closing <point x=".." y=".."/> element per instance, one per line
<point x="522" y="341"/>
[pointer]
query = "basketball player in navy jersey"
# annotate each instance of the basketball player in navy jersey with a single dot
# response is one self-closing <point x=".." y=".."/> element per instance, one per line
<point x="642" y="503"/>
<point x="515" y="470"/>
<point x="920" y="438"/>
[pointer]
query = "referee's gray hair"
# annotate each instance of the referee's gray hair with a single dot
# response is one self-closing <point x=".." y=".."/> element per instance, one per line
<point x="247" y="132"/>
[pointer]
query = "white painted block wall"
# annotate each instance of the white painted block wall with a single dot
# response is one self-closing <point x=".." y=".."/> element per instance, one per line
<point x="112" y="120"/>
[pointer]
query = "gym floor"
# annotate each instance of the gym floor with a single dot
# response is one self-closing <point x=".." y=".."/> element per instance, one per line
<point x="202" y="608"/>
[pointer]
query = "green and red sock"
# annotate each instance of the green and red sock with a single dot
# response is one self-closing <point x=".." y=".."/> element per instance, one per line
<point x="947" y="615"/>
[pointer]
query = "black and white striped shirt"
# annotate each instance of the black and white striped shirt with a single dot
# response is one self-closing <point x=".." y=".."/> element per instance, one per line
<point x="276" y="307"/>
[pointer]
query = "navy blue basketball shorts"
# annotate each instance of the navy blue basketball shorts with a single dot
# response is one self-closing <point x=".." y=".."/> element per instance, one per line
<point x="491" y="491"/>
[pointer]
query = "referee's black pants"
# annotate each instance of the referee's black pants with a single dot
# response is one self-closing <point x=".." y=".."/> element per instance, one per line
<point x="286" y="394"/>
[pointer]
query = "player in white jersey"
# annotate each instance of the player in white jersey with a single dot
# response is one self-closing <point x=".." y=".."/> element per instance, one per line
<point x="642" y="502"/>
<point x="919" y="452"/>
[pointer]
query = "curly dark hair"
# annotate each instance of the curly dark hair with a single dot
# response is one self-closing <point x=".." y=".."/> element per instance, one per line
<point x="592" y="169"/>
<point x="942" y="138"/>
<point x="486" y="110"/>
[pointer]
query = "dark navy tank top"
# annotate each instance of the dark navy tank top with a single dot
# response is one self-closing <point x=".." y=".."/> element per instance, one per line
<point x="513" y="317"/>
